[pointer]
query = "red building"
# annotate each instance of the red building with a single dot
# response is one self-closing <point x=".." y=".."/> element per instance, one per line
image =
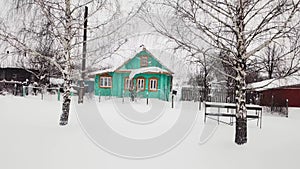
<point x="277" y="91"/>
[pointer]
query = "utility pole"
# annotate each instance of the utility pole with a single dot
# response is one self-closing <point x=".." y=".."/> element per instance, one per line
<point x="82" y="91"/>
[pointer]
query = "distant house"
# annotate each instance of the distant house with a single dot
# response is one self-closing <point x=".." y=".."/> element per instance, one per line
<point x="143" y="74"/>
<point x="16" y="74"/>
<point x="277" y="91"/>
<point x="12" y="79"/>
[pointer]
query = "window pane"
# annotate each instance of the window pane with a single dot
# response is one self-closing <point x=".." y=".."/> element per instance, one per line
<point x="109" y="81"/>
<point x="153" y="84"/>
<point x="144" y="61"/>
<point x="127" y="83"/>
<point x="101" y="81"/>
<point x="140" y="83"/>
<point x="105" y="82"/>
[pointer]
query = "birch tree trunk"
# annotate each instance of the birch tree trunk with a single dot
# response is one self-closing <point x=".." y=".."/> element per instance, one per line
<point x="240" y="67"/>
<point x="67" y="47"/>
<point x="241" y="110"/>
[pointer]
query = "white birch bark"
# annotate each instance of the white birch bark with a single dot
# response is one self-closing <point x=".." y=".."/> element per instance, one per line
<point x="67" y="80"/>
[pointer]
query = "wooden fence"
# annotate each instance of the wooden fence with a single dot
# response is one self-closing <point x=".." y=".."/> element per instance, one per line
<point x="213" y="95"/>
<point x="228" y="96"/>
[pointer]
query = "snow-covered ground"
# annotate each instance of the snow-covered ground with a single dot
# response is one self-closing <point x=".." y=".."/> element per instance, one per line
<point x="30" y="137"/>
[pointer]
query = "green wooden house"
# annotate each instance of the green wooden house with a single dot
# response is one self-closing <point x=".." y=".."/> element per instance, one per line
<point x="143" y="74"/>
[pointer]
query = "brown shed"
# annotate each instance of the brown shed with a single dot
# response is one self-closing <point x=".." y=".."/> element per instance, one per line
<point x="278" y="91"/>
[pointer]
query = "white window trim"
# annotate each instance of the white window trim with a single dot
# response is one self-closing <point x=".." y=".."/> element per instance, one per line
<point x="151" y="85"/>
<point x="105" y="78"/>
<point x="146" y="62"/>
<point x="138" y="85"/>
<point x="126" y="83"/>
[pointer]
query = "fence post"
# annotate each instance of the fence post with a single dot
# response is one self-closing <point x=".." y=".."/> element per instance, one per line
<point x="172" y="100"/>
<point x="147" y="98"/>
<point x="123" y="93"/>
<point x="15" y="89"/>
<point x="24" y="92"/>
<point x="272" y="103"/>
<point x="42" y="93"/>
<point x="200" y="100"/>
<point x="287" y="108"/>
<point x="218" y="115"/>
<point x="99" y="96"/>
<point x="58" y="94"/>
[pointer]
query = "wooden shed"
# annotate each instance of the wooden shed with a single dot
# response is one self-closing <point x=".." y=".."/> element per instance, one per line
<point x="278" y="91"/>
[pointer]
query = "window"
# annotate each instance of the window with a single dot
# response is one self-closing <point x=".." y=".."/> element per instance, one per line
<point x="2" y="75"/>
<point x="140" y="83"/>
<point x="105" y="82"/>
<point x="14" y="76"/>
<point x="153" y="83"/>
<point x="144" y="61"/>
<point x="126" y="83"/>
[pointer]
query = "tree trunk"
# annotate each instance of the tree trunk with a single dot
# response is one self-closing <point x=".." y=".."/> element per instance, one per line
<point x="66" y="101"/>
<point x="240" y="86"/>
<point x="241" y="110"/>
<point x="67" y="47"/>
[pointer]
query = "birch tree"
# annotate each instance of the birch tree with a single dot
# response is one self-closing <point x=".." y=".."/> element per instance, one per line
<point x="280" y="59"/>
<point x="65" y="19"/>
<point x="238" y="28"/>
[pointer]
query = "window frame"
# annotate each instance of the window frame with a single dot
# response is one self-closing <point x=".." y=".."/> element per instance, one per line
<point x="142" y="62"/>
<point x="105" y="77"/>
<point x="137" y="83"/>
<point x="127" y="83"/>
<point x="149" y="84"/>
<point x="14" y="76"/>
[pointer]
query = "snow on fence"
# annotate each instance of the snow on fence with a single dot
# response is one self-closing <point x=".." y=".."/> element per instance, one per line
<point x="221" y="111"/>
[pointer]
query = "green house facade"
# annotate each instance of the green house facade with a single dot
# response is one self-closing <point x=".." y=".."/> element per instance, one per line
<point x="143" y="75"/>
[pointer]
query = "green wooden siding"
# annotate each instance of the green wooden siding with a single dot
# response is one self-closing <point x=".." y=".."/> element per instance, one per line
<point x="134" y="63"/>
<point x="118" y="80"/>
<point x="103" y="91"/>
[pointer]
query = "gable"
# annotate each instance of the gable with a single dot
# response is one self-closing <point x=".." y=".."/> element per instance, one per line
<point x="141" y="60"/>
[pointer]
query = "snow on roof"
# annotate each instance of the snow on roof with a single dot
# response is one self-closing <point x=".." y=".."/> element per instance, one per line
<point x="275" y="83"/>
<point x="119" y="66"/>
<point x="144" y="49"/>
<point x="56" y="81"/>
<point x="147" y="69"/>
<point x="11" y="81"/>
<point x="101" y="71"/>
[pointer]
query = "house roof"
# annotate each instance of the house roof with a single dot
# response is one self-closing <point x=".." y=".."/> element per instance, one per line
<point x="144" y="49"/>
<point x="275" y="83"/>
<point x="131" y="70"/>
<point x="101" y="71"/>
